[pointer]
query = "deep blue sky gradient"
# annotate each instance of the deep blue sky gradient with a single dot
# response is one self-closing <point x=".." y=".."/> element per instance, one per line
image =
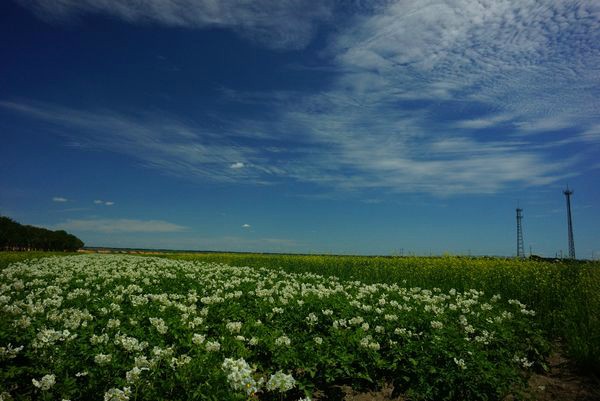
<point x="384" y="128"/>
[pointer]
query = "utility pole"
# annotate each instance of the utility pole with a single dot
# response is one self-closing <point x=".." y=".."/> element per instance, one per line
<point x="568" y="194"/>
<point x="520" y="247"/>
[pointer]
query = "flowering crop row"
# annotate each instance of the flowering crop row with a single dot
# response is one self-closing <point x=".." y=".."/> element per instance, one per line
<point x="112" y="327"/>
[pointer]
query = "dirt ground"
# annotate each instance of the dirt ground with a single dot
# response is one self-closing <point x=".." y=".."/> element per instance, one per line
<point x="561" y="383"/>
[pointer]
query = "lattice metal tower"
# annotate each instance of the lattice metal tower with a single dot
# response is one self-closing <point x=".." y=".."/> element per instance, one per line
<point x="568" y="194"/>
<point x="520" y="247"/>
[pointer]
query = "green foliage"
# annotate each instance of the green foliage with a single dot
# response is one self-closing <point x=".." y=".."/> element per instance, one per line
<point x="122" y="327"/>
<point x="565" y="294"/>
<point x="15" y="237"/>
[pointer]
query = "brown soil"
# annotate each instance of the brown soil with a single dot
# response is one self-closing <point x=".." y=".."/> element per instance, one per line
<point x="562" y="382"/>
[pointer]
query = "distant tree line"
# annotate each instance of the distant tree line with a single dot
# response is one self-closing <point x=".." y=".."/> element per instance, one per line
<point x="18" y="237"/>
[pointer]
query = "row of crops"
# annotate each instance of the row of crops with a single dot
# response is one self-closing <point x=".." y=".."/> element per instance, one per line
<point x="189" y="327"/>
<point x="564" y="293"/>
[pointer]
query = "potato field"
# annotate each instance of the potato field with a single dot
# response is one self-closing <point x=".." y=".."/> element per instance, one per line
<point x="121" y="327"/>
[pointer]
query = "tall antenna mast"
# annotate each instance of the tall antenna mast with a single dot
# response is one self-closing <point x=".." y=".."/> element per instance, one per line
<point x="568" y="194"/>
<point x="520" y="247"/>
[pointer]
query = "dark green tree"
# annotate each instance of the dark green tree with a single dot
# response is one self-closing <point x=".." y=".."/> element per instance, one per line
<point x="18" y="237"/>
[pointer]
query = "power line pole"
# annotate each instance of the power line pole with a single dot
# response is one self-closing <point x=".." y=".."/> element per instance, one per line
<point x="520" y="247"/>
<point x="568" y="194"/>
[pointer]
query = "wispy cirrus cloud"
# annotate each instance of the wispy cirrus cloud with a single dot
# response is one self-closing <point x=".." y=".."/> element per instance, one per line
<point x="206" y="243"/>
<point x="531" y="62"/>
<point x="278" y="24"/>
<point x="161" y="143"/>
<point x="120" y="225"/>
<point x="59" y="199"/>
<point x="441" y="97"/>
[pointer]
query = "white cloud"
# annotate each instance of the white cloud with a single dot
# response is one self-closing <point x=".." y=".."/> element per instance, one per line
<point x="519" y="67"/>
<point x="245" y="225"/>
<point x="279" y="24"/>
<point x="524" y="58"/>
<point x="59" y="199"/>
<point x="120" y="225"/>
<point x="161" y="143"/>
<point x="484" y="122"/>
<point x="101" y="202"/>
<point x="210" y="243"/>
<point x="592" y="134"/>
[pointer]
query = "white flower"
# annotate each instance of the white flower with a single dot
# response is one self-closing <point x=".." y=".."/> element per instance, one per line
<point x="142" y="362"/>
<point x="312" y="319"/>
<point x="374" y="346"/>
<point x="45" y="383"/>
<point x="460" y="363"/>
<point x="115" y="394"/>
<point x="436" y="325"/>
<point x="234" y="327"/>
<point x="283" y="340"/>
<point x="239" y="375"/>
<point x="198" y="339"/>
<point x="281" y="382"/>
<point x="102" y="359"/>
<point x="133" y="375"/>
<point x="367" y="342"/>
<point x="101" y="339"/>
<point x="113" y="323"/>
<point x="9" y="352"/>
<point x="213" y="346"/>
<point x="159" y="325"/>
<point x="523" y="362"/>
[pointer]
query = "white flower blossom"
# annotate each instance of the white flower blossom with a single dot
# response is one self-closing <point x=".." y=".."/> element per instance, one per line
<point x="280" y="382"/>
<point x="46" y="383"/>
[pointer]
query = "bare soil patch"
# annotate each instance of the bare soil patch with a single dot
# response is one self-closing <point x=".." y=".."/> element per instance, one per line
<point x="562" y="382"/>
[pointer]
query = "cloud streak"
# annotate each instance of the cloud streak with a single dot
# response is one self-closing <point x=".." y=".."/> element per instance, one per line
<point x="278" y="24"/>
<point x="105" y="203"/>
<point x="521" y="76"/>
<point x="109" y="226"/>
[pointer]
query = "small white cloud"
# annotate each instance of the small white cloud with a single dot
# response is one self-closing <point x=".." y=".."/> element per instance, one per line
<point x="237" y="165"/>
<point x="59" y="199"/>
<point x="101" y="202"/>
<point x="245" y="225"/>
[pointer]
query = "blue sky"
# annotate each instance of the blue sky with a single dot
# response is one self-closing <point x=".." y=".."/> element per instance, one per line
<point x="362" y="127"/>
